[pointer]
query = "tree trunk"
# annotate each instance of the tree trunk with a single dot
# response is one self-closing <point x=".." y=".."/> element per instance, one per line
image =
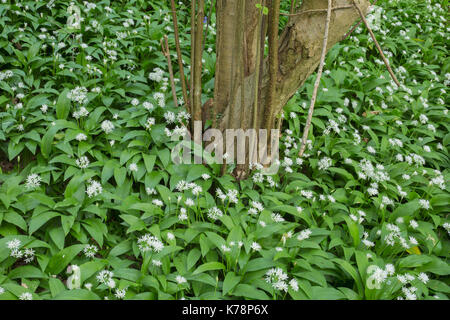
<point x="299" y="51"/>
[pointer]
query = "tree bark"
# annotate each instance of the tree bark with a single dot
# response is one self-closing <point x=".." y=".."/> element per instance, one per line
<point x="299" y="54"/>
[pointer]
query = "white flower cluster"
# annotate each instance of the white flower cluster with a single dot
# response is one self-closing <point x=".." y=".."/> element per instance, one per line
<point x="90" y="251"/>
<point x="214" y="213"/>
<point x="82" y="112"/>
<point x="106" y="277"/>
<point x="157" y="75"/>
<point x="107" y="126"/>
<point x="232" y="195"/>
<point x="6" y="75"/>
<point x="94" y="188"/>
<point x="279" y="280"/>
<point x="16" y="252"/>
<point x="304" y="234"/>
<point x="149" y="243"/>
<point x="256" y="208"/>
<point x="79" y="95"/>
<point x="82" y="162"/>
<point x="182" y="185"/>
<point x="33" y="181"/>
<point x="368" y="171"/>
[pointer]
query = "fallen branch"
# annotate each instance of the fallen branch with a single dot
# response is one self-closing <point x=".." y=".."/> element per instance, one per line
<point x="166" y="52"/>
<point x="316" y="85"/>
<point x="386" y="62"/>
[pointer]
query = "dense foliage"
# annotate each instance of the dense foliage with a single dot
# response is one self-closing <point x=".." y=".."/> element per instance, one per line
<point x="88" y="188"/>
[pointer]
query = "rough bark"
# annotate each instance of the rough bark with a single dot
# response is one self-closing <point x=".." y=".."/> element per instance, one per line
<point x="299" y="54"/>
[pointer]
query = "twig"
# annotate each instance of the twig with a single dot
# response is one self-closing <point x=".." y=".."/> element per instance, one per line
<point x="315" y="11"/>
<point x="166" y="52"/>
<point x="316" y="85"/>
<point x="355" y="26"/>
<point x="180" y="58"/>
<point x="386" y="62"/>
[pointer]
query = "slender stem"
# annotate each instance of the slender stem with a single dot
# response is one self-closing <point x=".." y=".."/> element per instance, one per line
<point x="316" y="85"/>
<point x="180" y="58"/>
<point x="386" y="62"/>
<point x="166" y="52"/>
<point x="355" y="26"/>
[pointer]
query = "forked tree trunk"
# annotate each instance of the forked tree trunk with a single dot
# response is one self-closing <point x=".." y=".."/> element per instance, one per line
<point x="299" y="50"/>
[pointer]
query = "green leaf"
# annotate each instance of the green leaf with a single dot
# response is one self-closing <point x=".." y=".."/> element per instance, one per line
<point x="209" y="266"/>
<point x="63" y="105"/>
<point x="231" y="280"/>
<point x="60" y="260"/>
<point x="249" y="292"/>
<point x="26" y="272"/>
<point x="320" y="293"/>
<point x="56" y="286"/>
<point x="16" y="219"/>
<point x="77" y="294"/>
<point x="39" y="220"/>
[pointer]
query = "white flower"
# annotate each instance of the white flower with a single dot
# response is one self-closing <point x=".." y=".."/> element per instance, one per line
<point x="133" y="167"/>
<point x="215" y="213"/>
<point x="90" y="251"/>
<point x="324" y="163"/>
<point x="134" y="102"/>
<point x="413" y="224"/>
<point x="170" y="236"/>
<point x="107" y="126"/>
<point x="33" y="181"/>
<point x="390" y="269"/>
<point x="294" y="284"/>
<point x="13" y="244"/>
<point x="120" y="293"/>
<point x="277" y="217"/>
<point x="2" y="291"/>
<point x="256" y="246"/>
<point x="81" y="137"/>
<point x="83" y="162"/>
<point x="149" y="243"/>
<point x="26" y="296"/>
<point x="94" y="189"/>
<point x="156" y="263"/>
<point x="425" y="204"/>
<point x="79" y="94"/>
<point x="179" y="279"/>
<point x="189" y="202"/>
<point x="304" y="234"/>
<point x="106" y="277"/>
<point x="423" y="277"/>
